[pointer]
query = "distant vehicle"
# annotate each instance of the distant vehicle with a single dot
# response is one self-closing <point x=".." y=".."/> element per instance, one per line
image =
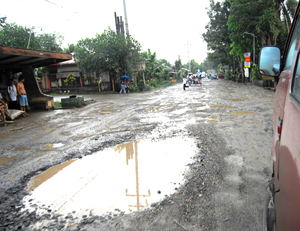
<point x="282" y="205"/>
<point x="221" y="75"/>
<point x="203" y="74"/>
<point x="214" y="76"/>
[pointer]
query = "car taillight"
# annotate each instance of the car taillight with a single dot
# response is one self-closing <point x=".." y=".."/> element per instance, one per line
<point x="279" y="128"/>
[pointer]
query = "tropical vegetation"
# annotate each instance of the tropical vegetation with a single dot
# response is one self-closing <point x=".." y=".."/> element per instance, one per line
<point x="234" y="24"/>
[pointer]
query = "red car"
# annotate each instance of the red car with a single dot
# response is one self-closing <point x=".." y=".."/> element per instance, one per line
<point x="282" y="210"/>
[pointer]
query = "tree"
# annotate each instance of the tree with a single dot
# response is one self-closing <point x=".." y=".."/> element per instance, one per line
<point x="217" y="33"/>
<point x="178" y="65"/>
<point x="107" y="52"/>
<point x="152" y="64"/>
<point x="51" y="42"/>
<point x="12" y="35"/>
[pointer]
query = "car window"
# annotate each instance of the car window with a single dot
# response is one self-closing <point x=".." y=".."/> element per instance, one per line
<point x="290" y="55"/>
<point x="296" y="82"/>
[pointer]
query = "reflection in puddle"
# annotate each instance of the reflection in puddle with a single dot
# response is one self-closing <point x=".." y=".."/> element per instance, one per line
<point x="180" y="111"/>
<point x="126" y="177"/>
<point x="49" y="146"/>
<point x="5" y="159"/>
<point x="76" y="123"/>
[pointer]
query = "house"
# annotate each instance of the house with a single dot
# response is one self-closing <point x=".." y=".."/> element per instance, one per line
<point x="54" y="79"/>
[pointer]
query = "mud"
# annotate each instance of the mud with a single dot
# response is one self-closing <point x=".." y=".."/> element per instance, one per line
<point x="223" y="184"/>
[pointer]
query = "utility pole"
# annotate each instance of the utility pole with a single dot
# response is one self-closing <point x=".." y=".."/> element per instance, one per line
<point x="125" y="15"/>
<point x="253" y="45"/>
<point x="187" y="44"/>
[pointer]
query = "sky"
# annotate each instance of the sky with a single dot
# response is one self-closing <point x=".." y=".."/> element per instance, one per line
<point x="170" y="28"/>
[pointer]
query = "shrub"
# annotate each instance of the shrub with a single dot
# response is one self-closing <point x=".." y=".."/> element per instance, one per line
<point x="132" y="88"/>
<point x="255" y="73"/>
<point x="141" y="85"/>
<point x="228" y="75"/>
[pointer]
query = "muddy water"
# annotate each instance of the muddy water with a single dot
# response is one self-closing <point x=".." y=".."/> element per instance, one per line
<point x="5" y="159"/>
<point x="128" y="177"/>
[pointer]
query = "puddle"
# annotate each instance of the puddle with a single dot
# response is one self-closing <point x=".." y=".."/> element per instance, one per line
<point x="39" y="179"/>
<point x="5" y="159"/>
<point x="76" y="123"/>
<point x="180" y="111"/>
<point x="152" y="110"/>
<point x="49" y="146"/>
<point x="127" y="177"/>
<point x="241" y="112"/>
<point x="21" y="148"/>
<point x="65" y="133"/>
<point x="213" y="117"/>
<point x="212" y="121"/>
<point x="222" y="106"/>
<point x="105" y="112"/>
<point x="46" y="128"/>
<point x="236" y="100"/>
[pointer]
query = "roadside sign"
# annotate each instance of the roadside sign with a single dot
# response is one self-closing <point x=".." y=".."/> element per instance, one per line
<point x="247" y="62"/>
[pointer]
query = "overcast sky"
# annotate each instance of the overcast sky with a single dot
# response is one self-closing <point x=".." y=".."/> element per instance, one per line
<point x="164" y="26"/>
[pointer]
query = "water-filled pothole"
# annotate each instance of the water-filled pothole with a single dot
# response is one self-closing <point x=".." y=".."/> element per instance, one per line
<point x="127" y="178"/>
<point x="5" y="159"/>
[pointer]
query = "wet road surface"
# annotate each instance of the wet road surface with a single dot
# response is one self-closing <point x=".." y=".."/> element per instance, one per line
<point x="124" y="153"/>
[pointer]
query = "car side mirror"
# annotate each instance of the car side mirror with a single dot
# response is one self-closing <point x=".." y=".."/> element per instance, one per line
<point x="269" y="63"/>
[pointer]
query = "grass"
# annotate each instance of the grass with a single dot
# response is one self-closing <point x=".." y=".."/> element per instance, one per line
<point x="57" y="104"/>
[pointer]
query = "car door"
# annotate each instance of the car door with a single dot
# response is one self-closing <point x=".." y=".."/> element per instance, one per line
<point x="287" y="179"/>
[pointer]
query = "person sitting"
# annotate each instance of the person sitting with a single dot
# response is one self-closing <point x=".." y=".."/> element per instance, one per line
<point x="3" y="107"/>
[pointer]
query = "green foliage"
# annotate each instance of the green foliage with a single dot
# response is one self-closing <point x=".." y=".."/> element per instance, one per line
<point x="255" y="72"/>
<point x="107" y="52"/>
<point x="217" y="34"/>
<point x="132" y="88"/>
<point x="178" y="75"/>
<point x="70" y="80"/>
<point x="141" y="85"/>
<point x="153" y="82"/>
<point x="177" y="65"/>
<point x="228" y="75"/>
<point x="13" y="35"/>
<point x="50" y="42"/>
<point x="194" y="66"/>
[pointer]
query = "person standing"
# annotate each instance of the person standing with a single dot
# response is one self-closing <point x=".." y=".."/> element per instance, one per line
<point x="122" y="87"/>
<point x="199" y="76"/>
<point x="184" y="80"/>
<point x="12" y="93"/>
<point x="127" y="86"/>
<point x="22" y="94"/>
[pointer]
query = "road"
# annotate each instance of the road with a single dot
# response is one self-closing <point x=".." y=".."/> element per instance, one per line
<point x="166" y="159"/>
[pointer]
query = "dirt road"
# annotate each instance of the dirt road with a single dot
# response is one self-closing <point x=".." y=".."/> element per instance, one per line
<point x="209" y="173"/>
